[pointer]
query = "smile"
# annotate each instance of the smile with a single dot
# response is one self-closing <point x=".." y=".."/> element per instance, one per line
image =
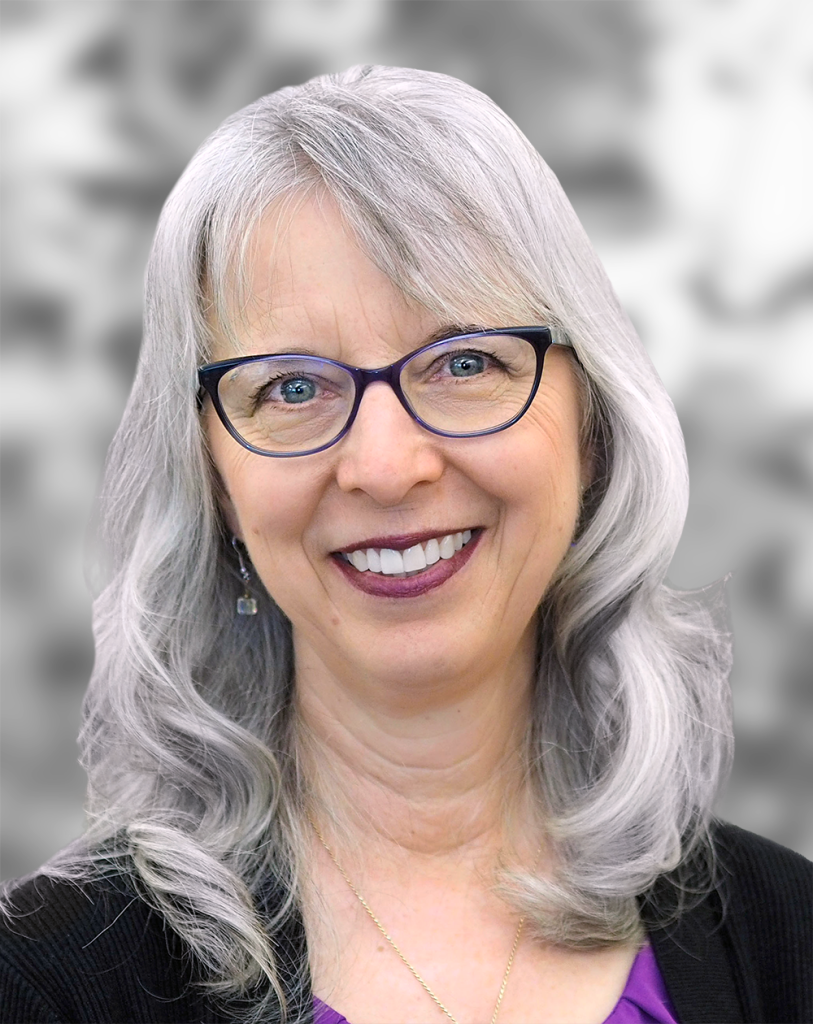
<point x="411" y="561"/>
<point x="416" y="566"/>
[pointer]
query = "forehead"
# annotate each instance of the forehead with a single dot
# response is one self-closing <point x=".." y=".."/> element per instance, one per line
<point x="306" y="284"/>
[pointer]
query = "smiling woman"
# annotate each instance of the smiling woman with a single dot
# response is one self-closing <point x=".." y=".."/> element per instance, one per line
<point x="390" y="484"/>
<point x="389" y="685"/>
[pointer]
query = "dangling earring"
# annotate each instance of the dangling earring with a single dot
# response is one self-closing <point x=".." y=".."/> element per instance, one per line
<point x="246" y="605"/>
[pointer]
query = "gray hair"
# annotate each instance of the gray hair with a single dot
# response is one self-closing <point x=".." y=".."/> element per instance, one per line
<point x="190" y="731"/>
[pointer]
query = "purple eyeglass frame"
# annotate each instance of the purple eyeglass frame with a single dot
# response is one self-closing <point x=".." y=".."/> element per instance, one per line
<point x="209" y="377"/>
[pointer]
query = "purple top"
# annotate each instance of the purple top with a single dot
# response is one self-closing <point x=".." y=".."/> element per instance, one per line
<point x="643" y="1001"/>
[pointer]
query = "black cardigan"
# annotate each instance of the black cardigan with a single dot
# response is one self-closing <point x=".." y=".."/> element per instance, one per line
<point x="96" y="953"/>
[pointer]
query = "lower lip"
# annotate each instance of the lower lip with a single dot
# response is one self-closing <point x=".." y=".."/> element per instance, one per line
<point x="435" y="576"/>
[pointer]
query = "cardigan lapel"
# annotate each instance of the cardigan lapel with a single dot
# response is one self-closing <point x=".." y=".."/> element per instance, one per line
<point x="696" y="969"/>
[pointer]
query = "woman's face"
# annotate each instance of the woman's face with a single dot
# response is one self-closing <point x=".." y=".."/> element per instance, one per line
<point x="389" y="483"/>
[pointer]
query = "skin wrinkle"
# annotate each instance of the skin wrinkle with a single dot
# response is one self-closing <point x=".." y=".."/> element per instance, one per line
<point x="585" y="470"/>
<point x="405" y="781"/>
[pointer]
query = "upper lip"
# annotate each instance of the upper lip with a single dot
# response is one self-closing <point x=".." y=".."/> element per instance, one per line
<point x="401" y="541"/>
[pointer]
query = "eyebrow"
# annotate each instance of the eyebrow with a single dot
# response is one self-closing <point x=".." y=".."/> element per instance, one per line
<point x="441" y="334"/>
<point x="297" y="350"/>
<point x="451" y="331"/>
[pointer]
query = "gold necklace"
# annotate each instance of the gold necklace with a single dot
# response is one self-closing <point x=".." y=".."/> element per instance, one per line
<point x="392" y="942"/>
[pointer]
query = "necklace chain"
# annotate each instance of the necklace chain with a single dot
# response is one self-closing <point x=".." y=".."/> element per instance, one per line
<point x="394" y="945"/>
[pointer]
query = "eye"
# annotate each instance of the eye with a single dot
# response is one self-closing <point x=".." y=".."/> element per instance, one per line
<point x="286" y="389"/>
<point x="467" y="364"/>
<point x="296" y="390"/>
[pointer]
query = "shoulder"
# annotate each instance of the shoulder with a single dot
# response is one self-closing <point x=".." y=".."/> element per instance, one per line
<point x="759" y="879"/>
<point x="91" y="951"/>
<point x="755" y="853"/>
<point x="766" y="895"/>
<point x="744" y="950"/>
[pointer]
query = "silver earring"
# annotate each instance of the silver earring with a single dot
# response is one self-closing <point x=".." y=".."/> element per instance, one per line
<point x="246" y="605"/>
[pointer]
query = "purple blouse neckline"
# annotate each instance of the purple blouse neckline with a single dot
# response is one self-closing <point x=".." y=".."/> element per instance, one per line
<point x="643" y="1001"/>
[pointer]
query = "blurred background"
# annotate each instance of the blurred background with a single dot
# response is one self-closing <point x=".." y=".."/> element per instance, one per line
<point x="683" y="134"/>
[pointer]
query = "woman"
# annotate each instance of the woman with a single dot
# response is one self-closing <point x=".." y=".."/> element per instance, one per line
<point x="393" y="718"/>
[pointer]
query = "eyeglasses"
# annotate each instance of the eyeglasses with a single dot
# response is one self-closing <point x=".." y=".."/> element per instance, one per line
<point x="464" y="386"/>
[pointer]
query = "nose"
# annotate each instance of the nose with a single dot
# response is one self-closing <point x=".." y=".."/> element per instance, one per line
<point x="386" y="453"/>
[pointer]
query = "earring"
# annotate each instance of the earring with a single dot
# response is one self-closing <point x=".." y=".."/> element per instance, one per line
<point x="246" y="605"/>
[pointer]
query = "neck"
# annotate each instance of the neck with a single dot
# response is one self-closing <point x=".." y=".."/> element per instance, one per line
<point x="438" y="774"/>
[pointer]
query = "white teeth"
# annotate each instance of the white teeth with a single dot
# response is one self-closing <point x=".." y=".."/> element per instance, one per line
<point x="447" y="546"/>
<point x="391" y="562"/>
<point x="432" y="551"/>
<point x="412" y="560"/>
<point x="359" y="560"/>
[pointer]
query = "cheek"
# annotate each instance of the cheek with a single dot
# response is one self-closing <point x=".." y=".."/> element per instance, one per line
<point x="537" y="479"/>
<point x="540" y="471"/>
<point x="274" y="513"/>
<point x="268" y="503"/>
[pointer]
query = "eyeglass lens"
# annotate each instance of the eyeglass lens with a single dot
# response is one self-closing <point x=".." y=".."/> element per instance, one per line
<point x="289" y="403"/>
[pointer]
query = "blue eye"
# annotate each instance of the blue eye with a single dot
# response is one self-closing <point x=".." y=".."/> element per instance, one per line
<point x="297" y="390"/>
<point x="467" y="364"/>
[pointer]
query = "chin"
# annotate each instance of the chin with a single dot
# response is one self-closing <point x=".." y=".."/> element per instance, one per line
<point x="417" y="660"/>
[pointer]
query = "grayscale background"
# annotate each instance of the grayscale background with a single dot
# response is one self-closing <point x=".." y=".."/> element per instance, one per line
<point x="683" y="134"/>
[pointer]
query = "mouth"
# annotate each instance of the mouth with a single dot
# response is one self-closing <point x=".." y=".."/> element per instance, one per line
<point x="410" y="561"/>
<point x="407" y="566"/>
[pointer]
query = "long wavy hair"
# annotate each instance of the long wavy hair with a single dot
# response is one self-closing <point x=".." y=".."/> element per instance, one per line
<point x="196" y="784"/>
